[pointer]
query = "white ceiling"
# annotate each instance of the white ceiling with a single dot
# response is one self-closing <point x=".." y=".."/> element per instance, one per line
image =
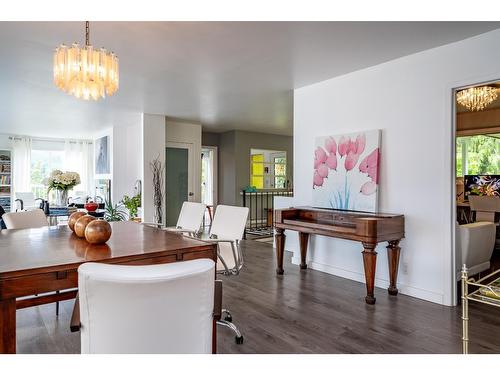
<point x="226" y="75"/>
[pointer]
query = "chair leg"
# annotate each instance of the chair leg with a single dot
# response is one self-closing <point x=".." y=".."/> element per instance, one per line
<point x="57" y="305"/>
<point x="226" y="315"/>
<point x="225" y="321"/>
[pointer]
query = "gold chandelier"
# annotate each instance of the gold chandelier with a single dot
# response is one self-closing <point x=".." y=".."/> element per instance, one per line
<point x="477" y="98"/>
<point x="85" y="72"/>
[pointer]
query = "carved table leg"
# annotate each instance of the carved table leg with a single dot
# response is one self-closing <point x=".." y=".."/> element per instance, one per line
<point x="8" y="326"/>
<point x="370" y="262"/>
<point x="280" y="249"/>
<point x="393" y="251"/>
<point x="303" y="239"/>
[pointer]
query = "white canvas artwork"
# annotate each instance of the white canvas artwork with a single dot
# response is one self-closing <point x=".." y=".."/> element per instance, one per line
<point x="345" y="174"/>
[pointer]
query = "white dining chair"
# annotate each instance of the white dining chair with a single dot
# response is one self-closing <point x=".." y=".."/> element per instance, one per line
<point x="189" y="221"/>
<point x="166" y="308"/>
<point x="27" y="201"/>
<point x="227" y="230"/>
<point x="25" y="219"/>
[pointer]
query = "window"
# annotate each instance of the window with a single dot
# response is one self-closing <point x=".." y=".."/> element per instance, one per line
<point x="65" y="155"/>
<point x="478" y="154"/>
<point x="268" y="169"/>
<point x="257" y="171"/>
<point x="279" y="173"/>
<point x="43" y="162"/>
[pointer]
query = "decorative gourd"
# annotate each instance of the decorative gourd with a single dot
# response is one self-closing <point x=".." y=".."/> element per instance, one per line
<point x="98" y="231"/>
<point x="82" y="223"/>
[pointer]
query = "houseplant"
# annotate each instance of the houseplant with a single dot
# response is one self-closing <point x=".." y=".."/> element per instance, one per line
<point x="113" y="212"/>
<point x="132" y="204"/>
<point x="62" y="183"/>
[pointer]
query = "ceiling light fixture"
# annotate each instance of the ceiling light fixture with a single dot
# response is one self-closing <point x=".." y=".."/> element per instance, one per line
<point x="477" y="98"/>
<point x="86" y="72"/>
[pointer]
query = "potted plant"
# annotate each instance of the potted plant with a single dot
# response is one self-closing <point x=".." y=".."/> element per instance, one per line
<point x="113" y="212"/>
<point x="62" y="183"/>
<point x="132" y="204"/>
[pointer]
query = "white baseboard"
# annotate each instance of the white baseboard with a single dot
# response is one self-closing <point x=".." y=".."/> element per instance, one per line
<point x="426" y="295"/>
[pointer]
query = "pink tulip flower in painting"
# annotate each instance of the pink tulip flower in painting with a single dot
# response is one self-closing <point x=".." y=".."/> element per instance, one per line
<point x="323" y="170"/>
<point x="369" y="165"/>
<point x="320" y="155"/>
<point x="331" y="145"/>
<point x="344" y="145"/>
<point x="317" y="163"/>
<point x="317" y="179"/>
<point x="368" y="188"/>
<point x="360" y="143"/>
<point x="351" y="160"/>
<point x="331" y="162"/>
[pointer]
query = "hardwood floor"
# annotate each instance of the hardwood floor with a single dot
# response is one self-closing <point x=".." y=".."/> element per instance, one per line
<point x="302" y="312"/>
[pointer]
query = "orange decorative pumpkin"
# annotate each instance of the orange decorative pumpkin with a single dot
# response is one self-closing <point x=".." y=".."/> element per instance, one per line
<point x="98" y="231"/>
<point x="73" y="218"/>
<point x="82" y="223"/>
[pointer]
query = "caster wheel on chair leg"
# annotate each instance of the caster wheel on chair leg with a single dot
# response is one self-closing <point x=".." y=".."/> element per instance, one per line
<point x="239" y="340"/>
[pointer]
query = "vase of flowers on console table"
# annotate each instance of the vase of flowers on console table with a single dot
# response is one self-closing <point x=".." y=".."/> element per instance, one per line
<point x="62" y="183"/>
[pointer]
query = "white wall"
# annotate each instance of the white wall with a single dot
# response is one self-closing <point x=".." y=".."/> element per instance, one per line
<point x="127" y="157"/>
<point x="410" y="99"/>
<point x="4" y="142"/>
<point x="153" y="146"/>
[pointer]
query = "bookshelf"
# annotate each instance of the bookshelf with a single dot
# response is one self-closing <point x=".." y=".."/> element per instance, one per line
<point x="5" y="179"/>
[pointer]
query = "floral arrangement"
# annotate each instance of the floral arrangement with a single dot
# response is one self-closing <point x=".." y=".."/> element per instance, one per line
<point x="59" y="180"/>
<point x="345" y="172"/>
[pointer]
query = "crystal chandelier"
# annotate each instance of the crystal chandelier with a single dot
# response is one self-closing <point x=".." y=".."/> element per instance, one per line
<point x="86" y="72"/>
<point x="477" y="98"/>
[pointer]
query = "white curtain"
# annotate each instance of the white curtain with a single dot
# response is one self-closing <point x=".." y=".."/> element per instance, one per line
<point x="21" y="157"/>
<point x="79" y="157"/>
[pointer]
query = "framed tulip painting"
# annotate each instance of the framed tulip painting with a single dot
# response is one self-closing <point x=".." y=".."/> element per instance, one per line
<point x="345" y="174"/>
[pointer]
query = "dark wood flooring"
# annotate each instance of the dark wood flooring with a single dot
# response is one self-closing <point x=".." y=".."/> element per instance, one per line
<point x="303" y="312"/>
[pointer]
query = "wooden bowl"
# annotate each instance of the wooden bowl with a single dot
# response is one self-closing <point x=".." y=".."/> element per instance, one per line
<point x="73" y="218"/>
<point x="82" y="223"/>
<point x="98" y="231"/>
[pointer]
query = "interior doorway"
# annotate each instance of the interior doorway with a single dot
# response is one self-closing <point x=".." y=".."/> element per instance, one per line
<point x="477" y="180"/>
<point x="209" y="192"/>
<point x="179" y="179"/>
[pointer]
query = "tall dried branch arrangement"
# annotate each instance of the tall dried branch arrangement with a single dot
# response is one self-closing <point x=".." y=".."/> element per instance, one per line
<point x="157" y="169"/>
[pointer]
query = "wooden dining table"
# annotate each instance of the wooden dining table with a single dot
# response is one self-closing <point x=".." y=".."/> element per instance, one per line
<point x="39" y="266"/>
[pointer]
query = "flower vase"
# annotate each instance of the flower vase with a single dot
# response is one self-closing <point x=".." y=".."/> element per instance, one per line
<point x="61" y="198"/>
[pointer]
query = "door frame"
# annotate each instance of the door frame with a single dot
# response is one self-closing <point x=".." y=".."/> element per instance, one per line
<point x="454" y="90"/>
<point x="215" y="173"/>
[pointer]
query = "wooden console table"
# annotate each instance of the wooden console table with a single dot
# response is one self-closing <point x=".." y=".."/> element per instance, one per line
<point x="364" y="227"/>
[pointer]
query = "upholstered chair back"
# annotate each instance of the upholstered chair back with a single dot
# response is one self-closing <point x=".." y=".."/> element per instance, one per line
<point x="25" y="219"/>
<point x="485" y="207"/>
<point x="475" y="244"/>
<point x="166" y="308"/>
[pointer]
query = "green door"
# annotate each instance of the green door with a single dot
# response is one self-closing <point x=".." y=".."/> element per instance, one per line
<point x="176" y="169"/>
